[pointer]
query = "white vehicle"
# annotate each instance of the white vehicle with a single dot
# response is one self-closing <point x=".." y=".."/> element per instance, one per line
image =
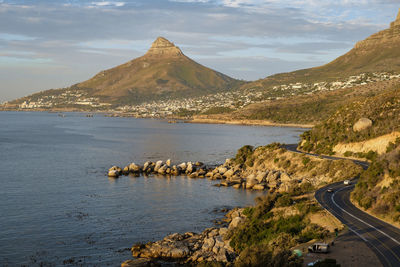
<point x="319" y="248"/>
<point x="347" y="182"/>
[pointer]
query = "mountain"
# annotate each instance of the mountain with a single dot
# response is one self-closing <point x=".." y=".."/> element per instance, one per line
<point x="378" y="53"/>
<point x="163" y="72"/>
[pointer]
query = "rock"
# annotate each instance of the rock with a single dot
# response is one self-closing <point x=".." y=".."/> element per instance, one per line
<point x="139" y="263"/>
<point x="182" y="166"/>
<point x="114" y="171"/>
<point x="162" y="170"/>
<point x="199" y="164"/>
<point x="235" y="222"/>
<point x="208" y="244"/>
<point x="125" y="171"/>
<point x="190" y="168"/>
<point x="158" y="165"/>
<point x="236" y="186"/>
<point x="168" y="162"/>
<point x="217" y="176"/>
<point x="209" y="174"/>
<point x="229" y="173"/>
<point x="362" y="124"/>
<point x="285" y="177"/>
<point x="261" y="176"/>
<point x="250" y="182"/>
<point x="222" y="170"/>
<point x="179" y="252"/>
<point x="223" y="232"/>
<point x="175" y="170"/>
<point x="226" y="183"/>
<point x="259" y="187"/>
<point x="134" y="168"/>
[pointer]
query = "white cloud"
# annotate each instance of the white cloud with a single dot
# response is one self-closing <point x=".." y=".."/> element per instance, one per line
<point x="107" y="4"/>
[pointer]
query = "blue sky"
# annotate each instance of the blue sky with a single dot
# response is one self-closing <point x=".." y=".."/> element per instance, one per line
<point x="52" y="44"/>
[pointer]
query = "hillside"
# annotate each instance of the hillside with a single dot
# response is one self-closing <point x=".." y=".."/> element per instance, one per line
<point x="302" y="109"/>
<point x="378" y="189"/>
<point x="379" y="52"/>
<point x="163" y="72"/>
<point x="359" y="121"/>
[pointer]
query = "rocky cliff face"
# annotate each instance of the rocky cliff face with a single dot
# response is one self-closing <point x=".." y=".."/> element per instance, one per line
<point x="161" y="47"/>
<point x="389" y="37"/>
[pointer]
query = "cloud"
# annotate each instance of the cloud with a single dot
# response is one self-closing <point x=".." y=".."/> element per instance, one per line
<point x="258" y="37"/>
<point x="107" y="4"/>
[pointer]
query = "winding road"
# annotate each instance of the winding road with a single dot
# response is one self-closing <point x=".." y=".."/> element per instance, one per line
<point x="381" y="237"/>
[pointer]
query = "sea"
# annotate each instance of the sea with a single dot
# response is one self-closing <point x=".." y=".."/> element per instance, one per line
<point x="59" y="208"/>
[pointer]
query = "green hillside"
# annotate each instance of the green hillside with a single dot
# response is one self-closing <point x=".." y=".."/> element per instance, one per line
<point x="383" y="110"/>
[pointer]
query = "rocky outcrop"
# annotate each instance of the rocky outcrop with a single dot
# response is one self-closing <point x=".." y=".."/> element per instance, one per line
<point x="362" y="124"/>
<point x="161" y="47"/>
<point x="210" y="245"/>
<point x="377" y="145"/>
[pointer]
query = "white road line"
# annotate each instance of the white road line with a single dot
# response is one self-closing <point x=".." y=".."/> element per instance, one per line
<point x="358" y="234"/>
<point x="355" y="217"/>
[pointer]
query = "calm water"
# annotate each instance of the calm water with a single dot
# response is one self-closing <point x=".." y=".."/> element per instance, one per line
<point x="58" y="207"/>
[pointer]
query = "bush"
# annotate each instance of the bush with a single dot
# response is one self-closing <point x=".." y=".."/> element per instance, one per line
<point x="244" y="156"/>
<point x="260" y="256"/>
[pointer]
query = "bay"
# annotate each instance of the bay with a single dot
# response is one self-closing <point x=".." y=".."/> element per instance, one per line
<point x="58" y="207"/>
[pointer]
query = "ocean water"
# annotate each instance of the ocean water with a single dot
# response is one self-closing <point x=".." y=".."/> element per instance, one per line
<point x="58" y="207"/>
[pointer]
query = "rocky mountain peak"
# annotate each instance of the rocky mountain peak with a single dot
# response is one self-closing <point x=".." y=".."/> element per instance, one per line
<point x="397" y="21"/>
<point x="162" y="47"/>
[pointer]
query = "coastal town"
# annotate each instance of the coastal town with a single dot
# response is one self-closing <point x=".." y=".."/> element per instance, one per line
<point x="185" y="107"/>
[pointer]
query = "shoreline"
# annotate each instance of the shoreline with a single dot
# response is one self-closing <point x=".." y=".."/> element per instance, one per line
<point x="180" y="120"/>
<point x="249" y="123"/>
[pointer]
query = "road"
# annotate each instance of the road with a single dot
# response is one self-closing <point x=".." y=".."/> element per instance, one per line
<point x="381" y="237"/>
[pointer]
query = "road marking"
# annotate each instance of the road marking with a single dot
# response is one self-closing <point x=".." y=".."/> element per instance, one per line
<point x="355" y="217"/>
<point x="359" y="235"/>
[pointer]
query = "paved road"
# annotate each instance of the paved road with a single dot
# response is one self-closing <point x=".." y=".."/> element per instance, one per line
<point x="293" y="148"/>
<point x="382" y="238"/>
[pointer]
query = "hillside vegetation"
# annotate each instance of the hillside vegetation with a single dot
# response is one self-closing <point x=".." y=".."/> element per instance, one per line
<point x="309" y="109"/>
<point x="383" y="110"/>
<point x="377" y="190"/>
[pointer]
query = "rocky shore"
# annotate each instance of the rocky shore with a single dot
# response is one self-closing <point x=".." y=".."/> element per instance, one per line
<point x="212" y="245"/>
<point x="271" y="168"/>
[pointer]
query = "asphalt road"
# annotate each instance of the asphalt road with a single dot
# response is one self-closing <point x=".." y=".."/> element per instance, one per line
<point x="382" y="238"/>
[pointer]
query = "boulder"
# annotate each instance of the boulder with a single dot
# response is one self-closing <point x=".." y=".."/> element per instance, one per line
<point x="261" y="176"/>
<point x="158" y="165"/>
<point x="250" y="182"/>
<point x="114" y="171"/>
<point x="182" y="166"/>
<point x="229" y="173"/>
<point x="168" y="162"/>
<point x="134" y="168"/>
<point x="362" y="124"/>
<point x="235" y="222"/>
<point x="236" y="186"/>
<point x="208" y="244"/>
<point x="222" y="170"/>
<point x="162" y="170"/>
<point x="125" y="171"/>
<point x="138" y="263"/>
<point x="259" y="187"/>
<point x="285" y="177"/>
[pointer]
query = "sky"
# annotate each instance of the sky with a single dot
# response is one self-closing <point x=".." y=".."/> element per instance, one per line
<point x="53" y="44"/>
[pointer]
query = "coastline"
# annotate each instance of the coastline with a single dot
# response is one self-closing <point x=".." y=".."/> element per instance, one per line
<point x="248" y="123"/>
<point x="176" y="119"/>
